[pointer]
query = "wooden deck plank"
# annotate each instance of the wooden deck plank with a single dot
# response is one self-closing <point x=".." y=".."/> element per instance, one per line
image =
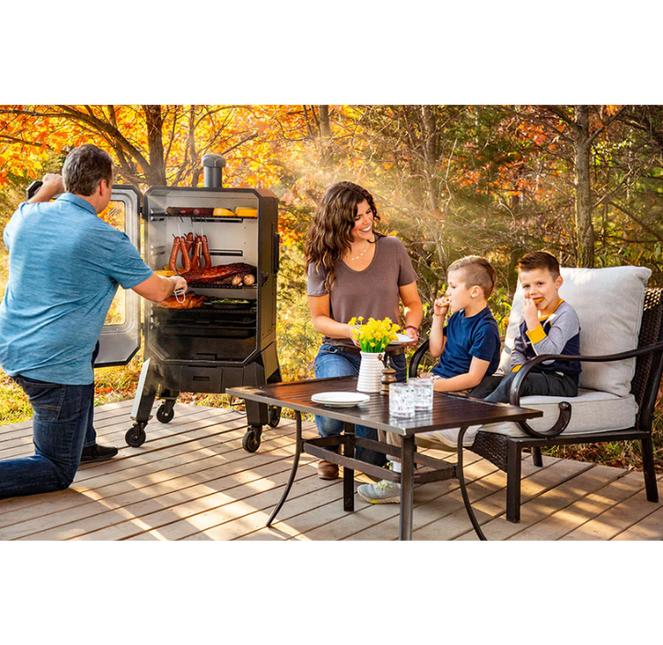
<point x="617" y="519"/>
<point x="192" y="480"/>
<point x="649" y="528"/>
<point x="188" y="461"/>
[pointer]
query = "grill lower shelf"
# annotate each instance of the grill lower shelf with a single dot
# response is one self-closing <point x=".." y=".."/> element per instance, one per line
<point x="220" y="331"/>
<point x="189" y="345"/>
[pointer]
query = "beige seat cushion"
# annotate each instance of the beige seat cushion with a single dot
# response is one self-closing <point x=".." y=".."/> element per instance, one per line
<point x="591" y="412"/>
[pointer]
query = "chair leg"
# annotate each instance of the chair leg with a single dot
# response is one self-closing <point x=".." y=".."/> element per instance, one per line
<point x="648" y="467"/>
<point x="537" y="460"/>
<point x="513" y="473"/>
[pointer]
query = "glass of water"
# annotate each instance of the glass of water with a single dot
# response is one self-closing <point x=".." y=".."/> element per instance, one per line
<point x="401" y="400"/>
<point x="423" y="393"/>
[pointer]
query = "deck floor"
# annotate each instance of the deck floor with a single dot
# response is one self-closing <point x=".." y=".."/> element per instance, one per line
<point x="191" y="480"/>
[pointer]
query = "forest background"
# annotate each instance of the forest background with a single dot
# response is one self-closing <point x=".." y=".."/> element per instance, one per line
<point x="582" y="181"/>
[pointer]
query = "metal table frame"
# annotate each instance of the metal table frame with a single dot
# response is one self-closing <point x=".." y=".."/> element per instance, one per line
<point x="435" y="469"/>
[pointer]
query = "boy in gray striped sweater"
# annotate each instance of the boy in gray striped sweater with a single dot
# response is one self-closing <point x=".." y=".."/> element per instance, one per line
<point x="549" y="325"/>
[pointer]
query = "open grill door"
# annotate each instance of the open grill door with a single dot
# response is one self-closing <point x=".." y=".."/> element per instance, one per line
<point x="121" y="334"/>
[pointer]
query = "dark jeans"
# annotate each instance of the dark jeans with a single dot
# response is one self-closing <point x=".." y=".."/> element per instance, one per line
<point x="61" y="427"/>
<point x="496" y="388"/>
<point x="332" y="361"/>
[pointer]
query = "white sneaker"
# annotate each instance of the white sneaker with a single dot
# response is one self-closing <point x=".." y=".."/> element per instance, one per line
<point x="384" y="492"/>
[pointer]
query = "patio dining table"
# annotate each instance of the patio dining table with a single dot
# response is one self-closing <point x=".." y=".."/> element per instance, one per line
<point x="449" y="411"/>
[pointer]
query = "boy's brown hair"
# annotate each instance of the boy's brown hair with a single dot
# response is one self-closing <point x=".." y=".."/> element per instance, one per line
<point x="539" y="260"/>
<point x="476" y="271"/>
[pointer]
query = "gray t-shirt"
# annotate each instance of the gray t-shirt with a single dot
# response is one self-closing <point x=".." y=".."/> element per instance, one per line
<point x="371" y="293"/>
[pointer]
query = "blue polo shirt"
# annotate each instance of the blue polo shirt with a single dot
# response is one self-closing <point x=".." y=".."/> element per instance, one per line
<point x="65" y="265"/>
<point x="476" y="335"/>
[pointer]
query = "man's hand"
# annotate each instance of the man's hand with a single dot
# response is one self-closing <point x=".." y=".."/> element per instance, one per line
<point x="52" y="185"/>
<point x="158" y="287"/>
<point x="180" y="283"/>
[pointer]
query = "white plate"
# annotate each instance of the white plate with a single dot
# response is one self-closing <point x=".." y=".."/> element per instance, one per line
<point x="401" y="340"/>
<point x="340" y="399"/>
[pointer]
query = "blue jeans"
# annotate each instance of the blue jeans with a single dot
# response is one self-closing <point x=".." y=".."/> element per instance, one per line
<point x="61" y="427"/>
<point x="332" y="361"/>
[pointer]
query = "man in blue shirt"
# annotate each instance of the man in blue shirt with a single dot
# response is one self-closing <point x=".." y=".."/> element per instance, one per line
<point x="65" y="265"/>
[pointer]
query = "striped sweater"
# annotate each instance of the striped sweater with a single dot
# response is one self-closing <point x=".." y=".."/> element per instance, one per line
<point x="558" y="333"/>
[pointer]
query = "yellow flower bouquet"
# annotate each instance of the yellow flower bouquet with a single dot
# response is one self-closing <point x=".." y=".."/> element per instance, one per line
<point x="375" y="335"/>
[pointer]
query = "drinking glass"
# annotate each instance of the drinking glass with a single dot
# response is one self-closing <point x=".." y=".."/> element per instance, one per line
<point x="401" y="400"/>
<point x="423" y="393"/>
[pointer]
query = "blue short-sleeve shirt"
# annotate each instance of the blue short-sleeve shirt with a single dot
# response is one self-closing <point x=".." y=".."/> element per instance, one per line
<point x="65" y="265"/>
<point x="476" y="335"/>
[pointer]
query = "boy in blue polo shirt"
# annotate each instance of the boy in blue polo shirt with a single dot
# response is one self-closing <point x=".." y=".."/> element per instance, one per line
<point x="469" y="344"/>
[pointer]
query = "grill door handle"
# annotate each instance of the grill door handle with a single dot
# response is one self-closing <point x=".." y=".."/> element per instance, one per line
<point x="277" y="252"/>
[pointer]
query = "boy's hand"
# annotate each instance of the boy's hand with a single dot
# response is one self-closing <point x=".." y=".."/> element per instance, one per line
<point x="530" y="313"/>
<point x="441" y="307"/>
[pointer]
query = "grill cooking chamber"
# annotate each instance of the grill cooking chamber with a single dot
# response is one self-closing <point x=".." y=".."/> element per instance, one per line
<point x="246" y="313"/>
<point x="231" y="339"/>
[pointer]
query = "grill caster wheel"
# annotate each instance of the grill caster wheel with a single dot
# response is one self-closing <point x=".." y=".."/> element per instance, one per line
<point x="165" y="413"/>
<point x="136" y="436"/>
<point x="251" y="440"/>
<point x="274" y="416"/>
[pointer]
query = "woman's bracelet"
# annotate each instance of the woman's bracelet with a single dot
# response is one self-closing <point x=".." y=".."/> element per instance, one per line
<point x="412" y="327"/>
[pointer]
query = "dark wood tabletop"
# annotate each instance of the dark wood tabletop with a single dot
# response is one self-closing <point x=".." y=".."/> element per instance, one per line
<point x="449" y="410"/>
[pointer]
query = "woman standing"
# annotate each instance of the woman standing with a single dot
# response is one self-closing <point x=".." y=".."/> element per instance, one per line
<point x="355" y="271"/>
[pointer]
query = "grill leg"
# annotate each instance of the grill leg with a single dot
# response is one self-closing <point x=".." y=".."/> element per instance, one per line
<point x="146" y="393"/>
<point x="256" y="413"/>
<point x="537" y="460"/>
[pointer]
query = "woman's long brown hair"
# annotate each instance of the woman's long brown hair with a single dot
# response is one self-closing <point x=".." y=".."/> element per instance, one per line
<point x="329" y="237"/>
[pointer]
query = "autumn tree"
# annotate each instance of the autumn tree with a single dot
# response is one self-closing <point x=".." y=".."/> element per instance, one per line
<point x="152" y="144"/>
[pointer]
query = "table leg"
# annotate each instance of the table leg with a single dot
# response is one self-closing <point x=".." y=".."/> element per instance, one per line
<point x="348" y="474"/>
<point x="463" y="489"/>
<point x="293" y="472"/>
<point x="407" y="487"/>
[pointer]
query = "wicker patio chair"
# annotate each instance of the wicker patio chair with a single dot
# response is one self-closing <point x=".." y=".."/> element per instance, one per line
<point x="499" y="446"/>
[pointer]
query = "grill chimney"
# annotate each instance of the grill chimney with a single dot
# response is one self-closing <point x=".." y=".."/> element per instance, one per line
<point x="213" y="166"/>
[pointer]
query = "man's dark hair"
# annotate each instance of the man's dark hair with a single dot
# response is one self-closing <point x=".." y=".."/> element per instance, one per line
<point x="540" y="260"/>
<point x="84" y="168"/>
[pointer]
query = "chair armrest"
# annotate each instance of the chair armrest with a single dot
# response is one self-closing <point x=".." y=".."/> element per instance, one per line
<point x="565" y="408"/>
<point x="416" y="358"/>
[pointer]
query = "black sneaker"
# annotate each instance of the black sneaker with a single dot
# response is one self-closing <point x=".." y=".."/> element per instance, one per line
<point x="97" y="453"/>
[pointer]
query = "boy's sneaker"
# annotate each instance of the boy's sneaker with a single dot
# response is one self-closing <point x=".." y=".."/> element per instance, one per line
<point x="384" y="492"/>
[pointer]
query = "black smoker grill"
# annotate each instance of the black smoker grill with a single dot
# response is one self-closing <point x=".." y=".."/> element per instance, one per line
<point x="232" y="342"/>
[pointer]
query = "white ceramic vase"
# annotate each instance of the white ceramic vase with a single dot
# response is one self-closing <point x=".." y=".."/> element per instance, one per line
<point x="370" y="372"/>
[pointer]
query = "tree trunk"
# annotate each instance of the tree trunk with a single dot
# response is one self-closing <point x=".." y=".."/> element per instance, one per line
<point x="156" y="173"/>
<point x="583" y="201"/>
<point x="325" y="127"/>
<point x="430" y="151"/>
